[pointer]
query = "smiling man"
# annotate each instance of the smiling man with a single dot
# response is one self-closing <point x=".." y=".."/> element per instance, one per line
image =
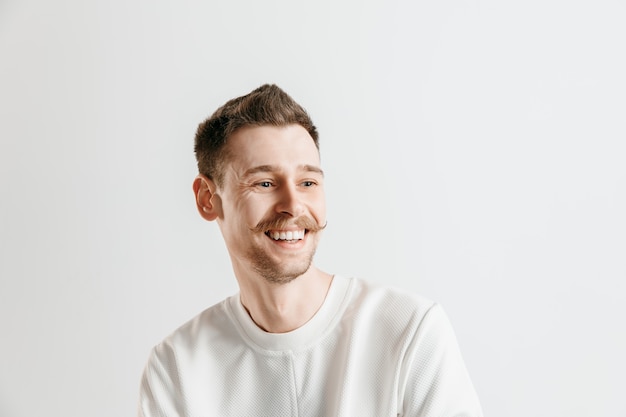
<point x="295" y="340"/>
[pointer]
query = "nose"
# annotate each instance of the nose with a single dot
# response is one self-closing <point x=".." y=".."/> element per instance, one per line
<point x="289" y="202"/>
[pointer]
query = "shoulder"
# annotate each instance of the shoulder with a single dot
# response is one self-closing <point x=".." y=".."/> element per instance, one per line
<point x="389" y="304"/>
<point x="416" y="332"/>
<point x="189" y="357"/>
<point x="207" y="328"/>
<point x="387" y="315"/>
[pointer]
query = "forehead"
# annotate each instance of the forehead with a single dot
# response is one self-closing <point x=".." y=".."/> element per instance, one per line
<point x="285" y="147"/>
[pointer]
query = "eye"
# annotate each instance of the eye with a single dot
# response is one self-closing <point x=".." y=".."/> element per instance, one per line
<point x="308" y="183"/>
<point x="264" y="184"/>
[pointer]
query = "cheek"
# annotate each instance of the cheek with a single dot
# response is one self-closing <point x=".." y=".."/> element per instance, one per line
<point x="319" y="208"/>
<point x="250" y="211"/>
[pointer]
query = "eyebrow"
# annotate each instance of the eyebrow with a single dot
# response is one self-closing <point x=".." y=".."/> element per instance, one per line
<point x="273" y="168"/>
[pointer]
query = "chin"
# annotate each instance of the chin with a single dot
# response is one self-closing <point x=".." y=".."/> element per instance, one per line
<point x="278" y="274"/>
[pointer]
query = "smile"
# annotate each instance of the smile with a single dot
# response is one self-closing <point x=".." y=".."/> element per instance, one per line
<point x="289" y="235"/>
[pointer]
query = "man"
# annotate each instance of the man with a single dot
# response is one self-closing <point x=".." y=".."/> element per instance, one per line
<point x="295" y="341"/>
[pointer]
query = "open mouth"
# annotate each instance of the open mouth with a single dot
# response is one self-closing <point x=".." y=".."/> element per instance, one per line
<point x="286" y="235"/>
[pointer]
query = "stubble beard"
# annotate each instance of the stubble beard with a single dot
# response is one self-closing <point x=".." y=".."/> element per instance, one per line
<point x="276" y="272"/>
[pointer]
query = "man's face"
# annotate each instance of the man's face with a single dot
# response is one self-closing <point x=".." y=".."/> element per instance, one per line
<point x="273" y="205"/>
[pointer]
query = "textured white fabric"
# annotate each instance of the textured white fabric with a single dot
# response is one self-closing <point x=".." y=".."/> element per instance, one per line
<point x="368" y="351"/>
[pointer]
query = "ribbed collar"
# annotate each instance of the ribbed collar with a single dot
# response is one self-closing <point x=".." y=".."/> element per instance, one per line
<point x="326" y="317"/>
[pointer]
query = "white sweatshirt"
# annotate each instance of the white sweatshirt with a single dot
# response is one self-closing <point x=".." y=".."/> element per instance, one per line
<point x="368" y="351"/>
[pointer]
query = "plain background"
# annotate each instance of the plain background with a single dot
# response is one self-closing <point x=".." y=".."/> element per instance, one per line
<point x="474" y="152"/>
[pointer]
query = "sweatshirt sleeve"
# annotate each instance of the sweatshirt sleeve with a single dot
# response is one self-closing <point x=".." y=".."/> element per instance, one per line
<point x="436" y="382"/>
<point x="160" y="391"/>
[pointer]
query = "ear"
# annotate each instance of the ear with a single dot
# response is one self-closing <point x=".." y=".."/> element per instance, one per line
<point x="208" y="202"/>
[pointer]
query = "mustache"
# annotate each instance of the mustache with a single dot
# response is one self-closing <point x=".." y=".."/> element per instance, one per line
<point x="281" y="222"/>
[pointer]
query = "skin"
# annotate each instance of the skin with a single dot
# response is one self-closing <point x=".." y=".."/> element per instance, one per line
<point x="273" y="174"/>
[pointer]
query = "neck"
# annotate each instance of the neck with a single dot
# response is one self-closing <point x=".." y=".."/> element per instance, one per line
<point x="281" y="308"/>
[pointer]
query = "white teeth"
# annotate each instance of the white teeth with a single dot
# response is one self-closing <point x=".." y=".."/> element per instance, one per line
<point x="289" y="235"/>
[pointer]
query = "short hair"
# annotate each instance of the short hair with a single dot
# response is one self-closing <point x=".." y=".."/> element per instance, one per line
<point x="267" y="105"/>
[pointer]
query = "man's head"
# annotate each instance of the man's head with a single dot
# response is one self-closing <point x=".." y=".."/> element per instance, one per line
<point x="267" y="105"/>
<point x="261" y="180"/>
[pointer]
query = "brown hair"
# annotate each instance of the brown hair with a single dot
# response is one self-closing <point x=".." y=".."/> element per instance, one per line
<point x="267" y="105"/>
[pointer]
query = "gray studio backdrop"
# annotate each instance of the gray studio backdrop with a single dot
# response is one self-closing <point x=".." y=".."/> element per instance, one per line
<point x="474" y="153"/>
